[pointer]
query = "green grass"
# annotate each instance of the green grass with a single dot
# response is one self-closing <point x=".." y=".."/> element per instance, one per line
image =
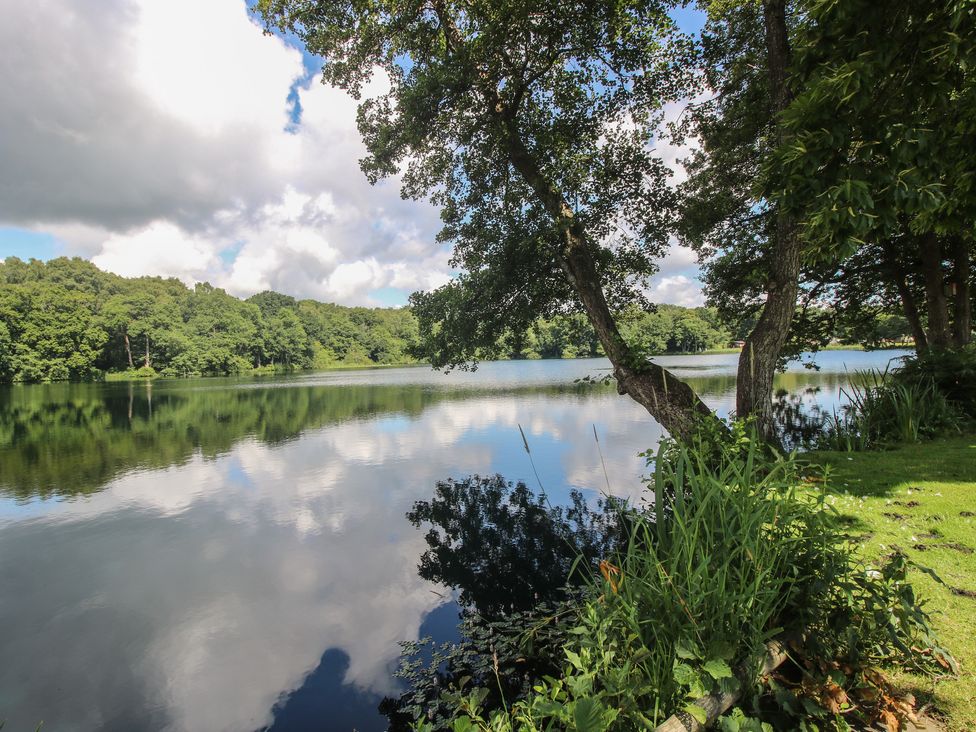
<point x="139" y="374"/>
<point x="915" y="498"/>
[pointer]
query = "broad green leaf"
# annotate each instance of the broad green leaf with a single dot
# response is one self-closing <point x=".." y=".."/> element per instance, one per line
<point x="684" y="675"/>
<point x="589" y="715"/>
<point x="718" y="669"/>
<point x="700" y="715"/>
<point x="685" y="649"/>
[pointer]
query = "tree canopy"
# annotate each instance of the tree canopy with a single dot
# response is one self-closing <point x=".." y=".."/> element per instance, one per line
<point x="531" y="124"/>
<point x="67" y="320"/>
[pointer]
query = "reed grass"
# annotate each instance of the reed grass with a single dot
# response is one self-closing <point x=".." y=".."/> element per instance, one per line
<point x="719" y="569"/>
<point x="884" y="410"/>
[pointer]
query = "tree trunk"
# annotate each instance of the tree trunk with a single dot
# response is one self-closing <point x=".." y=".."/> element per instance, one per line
<point x="147" y="350"/>
<point x="128" y="350"/>
<point x="908" y="305"/>
<point x="668" y="399"/>
<point x="930" y="249"/>
<point x="962" y="309"/>
<point x="760" y="355"/>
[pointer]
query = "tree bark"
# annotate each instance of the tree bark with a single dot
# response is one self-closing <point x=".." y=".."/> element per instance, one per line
<point x="668" y="399"/>
<point x="128" y="349"/>
<point x="930" y="249"/>
<point x="147" y="350"/>
<point x="908" y="305"/>
<point x="962" y="309"/>
<point x="760" y="355"/>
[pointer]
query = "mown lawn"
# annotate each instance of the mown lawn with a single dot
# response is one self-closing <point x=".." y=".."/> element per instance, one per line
<point x="921" y="499"/>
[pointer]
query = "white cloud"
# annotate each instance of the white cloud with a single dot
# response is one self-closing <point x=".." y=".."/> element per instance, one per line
<point x="677" y="290"/>
<point x="676" y="281"/>
<point x="208" y="65"/>
<point x="135" y="125"/>
<point x="152" y="137"/>
<point x="160" y="248"/>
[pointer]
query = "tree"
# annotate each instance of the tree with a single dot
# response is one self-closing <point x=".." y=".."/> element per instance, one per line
<point x="58" y="337"/>
<point x="753" y="244"/>
<point x="285" y="339"/>
<point x="530" y="123"/>
<point x="880" y="146"/>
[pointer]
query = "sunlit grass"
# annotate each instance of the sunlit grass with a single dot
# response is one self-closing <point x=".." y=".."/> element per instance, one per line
<point x="921" y="499"/>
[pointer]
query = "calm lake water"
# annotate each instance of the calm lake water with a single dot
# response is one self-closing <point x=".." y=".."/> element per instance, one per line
<point x="232" y="554"/>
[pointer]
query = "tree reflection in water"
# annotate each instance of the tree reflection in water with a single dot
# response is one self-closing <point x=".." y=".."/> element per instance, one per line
<point x="515" y="561"/>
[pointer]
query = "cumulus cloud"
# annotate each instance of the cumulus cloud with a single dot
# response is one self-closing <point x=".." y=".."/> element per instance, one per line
<point x="159" y="248"/>
<point x="676" y="281"/>
<point x="153" y="137"/>
<point x="677" y="290"/>
<point x="177" y="139"/>
<point x="90" y="132"/>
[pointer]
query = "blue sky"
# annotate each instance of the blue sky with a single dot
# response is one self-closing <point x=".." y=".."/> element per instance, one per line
<point x="26" y="244"/>
<point x="111" y="137"/>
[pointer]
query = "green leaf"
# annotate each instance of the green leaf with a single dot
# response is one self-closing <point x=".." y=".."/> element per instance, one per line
<point x="700" y="715"/>
<point x="728" y="724"/>
<point x="722" y="649"/>
<point x="574" y="659"/>
<point x="718" y="669"/>
<point x="589" y="715"/>
<point x="685" y="649"/>
<point x="683" y="674"/>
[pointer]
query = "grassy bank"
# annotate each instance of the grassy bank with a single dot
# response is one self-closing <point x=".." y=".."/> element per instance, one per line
<point x="921" y="499"/>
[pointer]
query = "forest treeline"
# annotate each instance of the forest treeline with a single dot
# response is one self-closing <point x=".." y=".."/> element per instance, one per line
<point x="66" y="319"/>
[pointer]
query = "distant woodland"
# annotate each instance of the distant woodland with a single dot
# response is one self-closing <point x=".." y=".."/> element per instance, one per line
<point x="67" y="320"/>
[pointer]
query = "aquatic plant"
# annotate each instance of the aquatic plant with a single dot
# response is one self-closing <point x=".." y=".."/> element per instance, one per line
<point x="884" y="408"/>
<point x="735" y="553"/>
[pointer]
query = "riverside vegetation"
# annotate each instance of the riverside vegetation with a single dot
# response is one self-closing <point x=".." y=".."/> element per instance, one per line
<point x="667" y="602"/>
<point x="66" y="319"/>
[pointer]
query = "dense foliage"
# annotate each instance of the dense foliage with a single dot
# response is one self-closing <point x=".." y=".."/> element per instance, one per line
<point x="683" y="604"/>
<point x="66" y="319"/>
<point x="879" y="152"/>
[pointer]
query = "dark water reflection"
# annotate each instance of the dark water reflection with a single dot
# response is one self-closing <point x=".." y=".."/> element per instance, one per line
<point x="233" y="554"/>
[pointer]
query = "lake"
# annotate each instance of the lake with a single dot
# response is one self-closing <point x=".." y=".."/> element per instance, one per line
<point x="233" y="554"/>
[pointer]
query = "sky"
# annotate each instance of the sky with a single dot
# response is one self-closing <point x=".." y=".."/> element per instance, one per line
<point x="176" y="139"/>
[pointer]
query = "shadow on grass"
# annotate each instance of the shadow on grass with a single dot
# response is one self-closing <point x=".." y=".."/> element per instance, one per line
<point x="920" y="499"/>
<point x="881" y="473"/>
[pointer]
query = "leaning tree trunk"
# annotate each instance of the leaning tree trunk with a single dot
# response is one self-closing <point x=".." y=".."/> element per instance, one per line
<point x="930" y="249"/>
<point x="897" y="274"/>
<point x="760" y="355"/>
<point x="668" y="399"/>
<point x="128" y="350"/>
<point x="962" y="309"/>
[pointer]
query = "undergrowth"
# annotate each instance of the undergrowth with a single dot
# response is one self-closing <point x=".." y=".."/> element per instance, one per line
<point x="734" y="553"/>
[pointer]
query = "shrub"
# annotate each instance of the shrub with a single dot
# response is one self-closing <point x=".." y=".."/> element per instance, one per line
<point x="951" y="371"/>
<point x="886" y="408"/>
<point x="733" y="555"/>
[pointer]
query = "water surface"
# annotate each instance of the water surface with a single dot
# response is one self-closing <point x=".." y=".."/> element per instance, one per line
<point x="232" y="554"/>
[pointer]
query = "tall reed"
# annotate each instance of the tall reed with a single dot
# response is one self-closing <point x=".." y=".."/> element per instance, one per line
<point x="882" y="410"/>
<point x="720" y="571"/>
